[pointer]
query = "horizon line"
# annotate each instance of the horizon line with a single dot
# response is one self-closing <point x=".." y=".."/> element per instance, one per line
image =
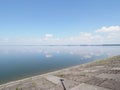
<point x="67" y="45"/>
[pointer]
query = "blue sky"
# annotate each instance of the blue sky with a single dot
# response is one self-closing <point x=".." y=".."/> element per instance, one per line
<point x="58" y="21"/>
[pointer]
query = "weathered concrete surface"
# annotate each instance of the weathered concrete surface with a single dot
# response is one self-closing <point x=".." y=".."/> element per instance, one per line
<point x="84" y="86"/>
<point x="110" y="76"/>
<point x="53" y="79"/>
<point x="57" y="80"/>
<point x="98" y="75"/>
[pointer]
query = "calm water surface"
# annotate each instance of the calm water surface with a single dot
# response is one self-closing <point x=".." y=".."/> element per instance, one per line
<point x="18" y="62"/>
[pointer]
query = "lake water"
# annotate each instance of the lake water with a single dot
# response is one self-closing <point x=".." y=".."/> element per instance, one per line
<point x="17" y="62"/>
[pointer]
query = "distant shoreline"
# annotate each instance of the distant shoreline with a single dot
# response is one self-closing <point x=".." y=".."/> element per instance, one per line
<point x="69" y="45"/>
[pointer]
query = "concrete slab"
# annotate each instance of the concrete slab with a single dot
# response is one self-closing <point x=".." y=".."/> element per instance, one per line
<point x="110" y="76"/>
<point x="84" y="86"/>
<point x="91" y="71"/>
<point x="116" y="68"/>
<point x="53" y="79"/>
<point x="56" y="80"/>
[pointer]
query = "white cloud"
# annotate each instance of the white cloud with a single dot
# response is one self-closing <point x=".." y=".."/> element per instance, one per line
<point x="48" y="35"/>
<point x="109" y="29"/>
<point x="85" y="34"/>
<point x="109" y="34"/>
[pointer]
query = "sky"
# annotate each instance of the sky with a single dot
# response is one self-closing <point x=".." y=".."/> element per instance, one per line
<point x="42" y="22"/>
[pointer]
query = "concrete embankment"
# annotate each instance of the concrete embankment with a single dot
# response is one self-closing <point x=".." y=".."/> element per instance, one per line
<point x="98" y="75"/>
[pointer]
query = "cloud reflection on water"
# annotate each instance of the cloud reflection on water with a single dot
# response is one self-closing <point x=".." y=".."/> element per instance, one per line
<point x="82" y="51"/>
